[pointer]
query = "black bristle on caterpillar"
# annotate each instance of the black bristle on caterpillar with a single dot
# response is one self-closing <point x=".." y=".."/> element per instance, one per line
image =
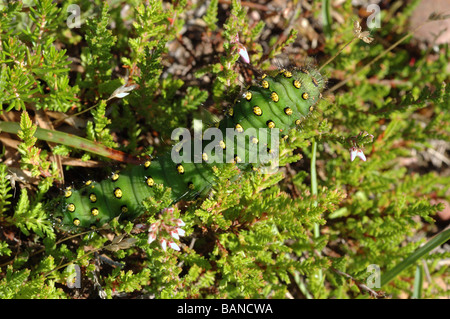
<point x="277" y="103"/>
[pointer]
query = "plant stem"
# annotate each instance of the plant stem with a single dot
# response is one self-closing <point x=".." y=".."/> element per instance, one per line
<point x="436" y="241"/>
<point x="72" y="141"/>
<point x="337" y="53"/>
<point x="314" y="182"/>
<point x="314" y="193"/>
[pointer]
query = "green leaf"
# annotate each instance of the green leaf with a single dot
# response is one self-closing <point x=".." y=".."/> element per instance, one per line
<point x="436" y="241"/>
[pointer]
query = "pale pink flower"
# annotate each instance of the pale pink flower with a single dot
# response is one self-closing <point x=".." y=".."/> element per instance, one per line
<point x="163" y="244"/>
<point x="181" y="232"/>
<point x="174" y="234"/>
<point x="166" y="228"/>
<point x="356" y="152"/>
<point x="151" y="238"/>
<point x="153" y="227"/>
<point x="243" y="53"/>
<point x="241" y="49"/>
<point x="123" y="90"/>
<point x="180" y="223"/>
<point x="174" y="246"/>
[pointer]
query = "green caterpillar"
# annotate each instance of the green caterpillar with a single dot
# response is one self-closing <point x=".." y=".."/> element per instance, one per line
<point x="278" y="104"/>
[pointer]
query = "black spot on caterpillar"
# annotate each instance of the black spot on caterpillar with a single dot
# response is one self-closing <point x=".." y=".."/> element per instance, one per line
<point x="277" y="103"/>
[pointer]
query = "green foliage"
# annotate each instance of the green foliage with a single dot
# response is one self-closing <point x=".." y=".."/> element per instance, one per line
<point x="31" y="154"/>
<point x="154" y="27"/>
<point x="4" y="250"/>
<point x="31" y="218"/>
<point x="34" y="158"/>
<point x="140" y="69"/>
<point x="211" y="15"/>
<point x="25" y="285"/>
<point x="97" y="57"/>
<point x="5" y="187"/>
<point x="100" y="132"/>
<point x="33" y="71"/>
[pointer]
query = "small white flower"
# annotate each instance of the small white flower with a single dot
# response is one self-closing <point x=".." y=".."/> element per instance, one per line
<point x="181" y="232"/>
<point x="243" y="53"/>
<point x="163" y="244"/>
<point x="174" y="246"/>
<point x="167" y="230"/>
<point x="122" y="91"/>
<point x="356" y="152"/>
<point x="241" y="49"/>
<point x="180" y="223"/>
<point x="174" y="234"/>
<point x="121" y="95"/>
<point x="153" y="227"/>
<point x="151" y="238"/>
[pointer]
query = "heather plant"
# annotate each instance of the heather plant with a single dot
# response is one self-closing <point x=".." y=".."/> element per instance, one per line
<point x="88" y="87"/>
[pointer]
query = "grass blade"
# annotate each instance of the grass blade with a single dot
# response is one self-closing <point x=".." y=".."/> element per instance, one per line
<point x="72" y="141"/>
<point x="436" y="241"/>
<point x="326" y="17"/>
<point x="418" y="283"/>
